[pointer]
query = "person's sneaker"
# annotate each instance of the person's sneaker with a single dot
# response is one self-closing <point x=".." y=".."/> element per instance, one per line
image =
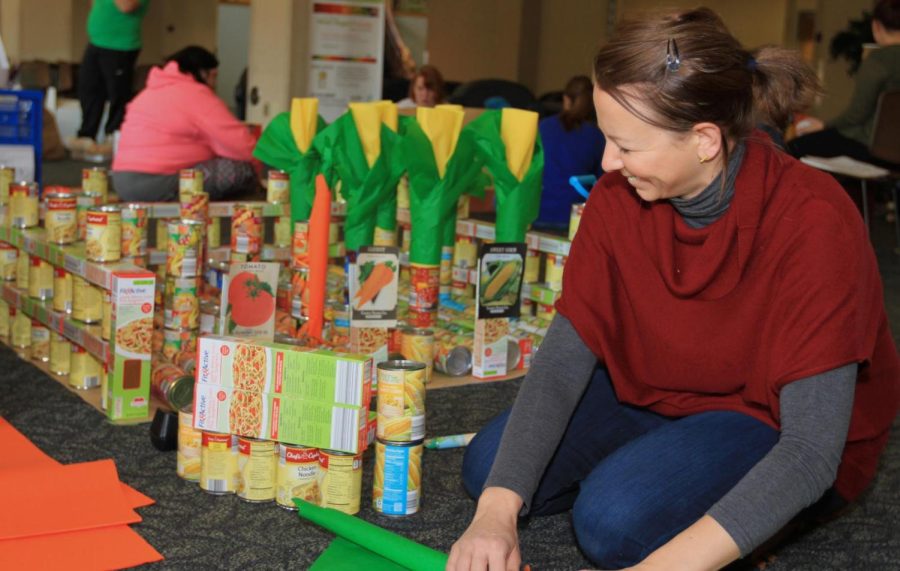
<point x="78" y="146"/>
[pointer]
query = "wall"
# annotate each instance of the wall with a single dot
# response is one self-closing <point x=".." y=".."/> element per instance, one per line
<point x="570" y="33"/>
<point x="10" y="13"/>
<point x="233" y="37"/>
<point x="36" y="29"/>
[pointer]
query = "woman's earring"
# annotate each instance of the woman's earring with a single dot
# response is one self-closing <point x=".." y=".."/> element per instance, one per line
<point x="704" y="159"/>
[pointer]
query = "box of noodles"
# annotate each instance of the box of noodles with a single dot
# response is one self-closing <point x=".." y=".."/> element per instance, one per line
<point x="128" y="371"/>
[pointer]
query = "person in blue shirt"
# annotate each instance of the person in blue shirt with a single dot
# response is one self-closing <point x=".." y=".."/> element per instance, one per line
<point x="573" y="145"/>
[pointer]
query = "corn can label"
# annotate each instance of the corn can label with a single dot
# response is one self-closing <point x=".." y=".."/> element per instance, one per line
<point x="424" y="286"/>
<point x="218" y="463"/>
<point x="104" y="235"/>
<point x="187" y="459"/>
<point x="340" y="481"/>
<point x="95" y="180"/>
<point x="60" y="354"/>
<point x="278" y="187"/>
<point x="40" y="279"/>
<point x="85" y="370"/>
<point x="401" y="403"/>
<point x="298" y="475"/>
<point x="61" y="220"/>
<point x="62" y="290"/>
<point x="418" y="345"/>
<point x="183" y="247"/>
<point x="300" y="245"/>
<point x="256" y="469"/>
<point x="23" y="205"/>
<point x="246" y="229"/>
<point x="87" y="301"/>
<point x="8" y="257"/>
<point x="134" y="230"/>
<point x="397" y="484"/>
<point x="182" y="304"/>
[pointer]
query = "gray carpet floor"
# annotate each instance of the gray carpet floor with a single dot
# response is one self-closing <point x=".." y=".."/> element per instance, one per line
<point x="196" y="531"/>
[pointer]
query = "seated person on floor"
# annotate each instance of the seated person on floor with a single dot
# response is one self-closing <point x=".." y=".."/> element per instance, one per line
<point x="178" y="122"/>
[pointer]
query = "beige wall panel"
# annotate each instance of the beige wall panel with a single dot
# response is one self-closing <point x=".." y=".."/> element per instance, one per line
<point x="46" y="30"/>
<point x="10" y="16"/>
<point x="269" y="61"/>
<point x="571" y="31"/>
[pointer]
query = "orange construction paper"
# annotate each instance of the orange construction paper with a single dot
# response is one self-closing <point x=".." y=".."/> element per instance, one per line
<point x="42" y="499"/>
<point x="116" y="547"/>
<point x="319" y="220"/>
<point x="19" y="452"/>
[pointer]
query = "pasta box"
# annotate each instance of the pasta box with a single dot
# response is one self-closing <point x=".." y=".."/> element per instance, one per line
<point x="280" y="417"/>
<point x="490" y="348"/>
<point x="128" y="371"/>
<point x="279" y="369"/>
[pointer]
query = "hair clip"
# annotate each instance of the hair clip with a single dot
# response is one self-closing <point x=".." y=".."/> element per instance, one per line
<point x="673" y="58"/>
<point x="751" y="63"/>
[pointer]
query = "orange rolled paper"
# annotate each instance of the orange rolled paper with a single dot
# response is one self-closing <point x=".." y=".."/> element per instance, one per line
<point x="319" y="220"/>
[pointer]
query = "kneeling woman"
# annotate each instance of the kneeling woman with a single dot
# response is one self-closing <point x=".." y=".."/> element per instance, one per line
<point x="721" y="358"/>
<point x="178" y="122"/>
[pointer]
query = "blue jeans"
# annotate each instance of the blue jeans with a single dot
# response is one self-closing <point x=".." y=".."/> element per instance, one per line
<point x="633" y="479"/>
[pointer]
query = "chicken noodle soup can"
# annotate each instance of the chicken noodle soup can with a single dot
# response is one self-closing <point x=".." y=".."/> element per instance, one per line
<point x="61" y="218"/>
<point x="278" y="187"/>
<point x="134" y="230"/>
<point x="8" y="258"/>
<point x="187" y="459"/>
<point x="95" y="180"/>
<point x="190" y="181"/>
<point x="85" y="371"/>
<point x="183" y="247"/>
<point x="417" y="344"/>
<point x="246" y="229"/>
<point x="397" y="479"/>
<point x="84" y="202"/>
<point x="40" y="341"/>
<point x="218" y="463"/>
<point x="87" y="301"/>
<point x="23" y="204"/>
<point x="103" y="240"/>
<point x="60" y="354"/>
<point x="401" y="401"/>
<point x="40" y="279"/>
<point x="340" y="480"/>
<point x="256" y="467"/>
<point x="297" y="475"/>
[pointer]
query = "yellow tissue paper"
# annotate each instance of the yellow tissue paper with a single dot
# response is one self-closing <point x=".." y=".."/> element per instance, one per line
<point x="518" y="130"/>
<point x="367" y="118"/>
<point x="442" y="126"/>
<point x="388" y="114"/>
<point x="304" y="120"/>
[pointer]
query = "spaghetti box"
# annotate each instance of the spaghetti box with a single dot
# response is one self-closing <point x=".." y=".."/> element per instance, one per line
<point x="490" y="348"/>
<point x="278" y="369"/>
<point x="280" y="417"/>
<point x="128" y="371"/>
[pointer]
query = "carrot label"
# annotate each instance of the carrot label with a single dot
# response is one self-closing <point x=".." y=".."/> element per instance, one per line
<point x="373" y="287"/>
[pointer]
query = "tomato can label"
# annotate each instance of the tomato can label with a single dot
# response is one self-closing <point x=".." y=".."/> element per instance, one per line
<point x="23" y="204"/>
<point x="40" y="279"/>
<point x="60" y="354"/>
<point x="183" y="247"/>
<point x="61" y="219"/>
<point x="278" y="187"/>
<point x="257" y="461"/>
<point x="187" y="459"/>
<point x="103" y="239"/>
<point x="8" y="257"/>
<point x="134" y="230"/>
<point x="298" y="475"/>
<point x="95" y="180"/>
<point x="246" y="229"/>
<point x="340" y="480"/>
<point x="417" y="344"/>
<point x="397" y="485"/>
<point x="401" y="401"/>
<point x="85" y="370"/>
<point x="218" y="463"/>
<point x="424" y="286"/>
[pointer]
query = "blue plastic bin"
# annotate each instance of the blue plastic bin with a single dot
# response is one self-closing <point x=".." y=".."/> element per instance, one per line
<point x="22" y="122"/>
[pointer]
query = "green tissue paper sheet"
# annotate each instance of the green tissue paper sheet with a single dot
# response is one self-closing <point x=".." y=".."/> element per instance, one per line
<point x="371" y="540"/>
<point x="277" y="148"/>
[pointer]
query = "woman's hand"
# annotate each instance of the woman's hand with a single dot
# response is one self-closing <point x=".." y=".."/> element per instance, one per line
<point x="491" y="542"/>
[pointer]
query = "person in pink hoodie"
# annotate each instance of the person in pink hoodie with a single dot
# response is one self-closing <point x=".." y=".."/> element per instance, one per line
<point x="178" y="122"/>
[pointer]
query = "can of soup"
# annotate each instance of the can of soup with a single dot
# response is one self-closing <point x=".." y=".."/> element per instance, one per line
<point x="183" y="247"/>
<point x="85" y="370"/>
<point x="297" y="475"/>
<point x="61" y="218"/>
<point x="103" y="240"/>
<point x="190" y="181"/>
<point x="23" y="204"/>
<point x="95" y="180"/>
<point x="87" y="301"/>
<point x="83" y="202"/>
<point x="246" y="229"/>
<point x="340" y="480"/>
<point x="134" y="230"/>
<point x="40" y="341"/>
<point x="257" y="460"/>
<point x="397" y="480"/>
<point x="40" y="279"/>
<point x="23" y="270"/>
<point x="187" y="459"/>
<point x="417" y="344"/>
<point x="278" y="187"/>
<point x="60" y="354"/>
<point x="218" y="463"/>
<point x="8" y="257"/>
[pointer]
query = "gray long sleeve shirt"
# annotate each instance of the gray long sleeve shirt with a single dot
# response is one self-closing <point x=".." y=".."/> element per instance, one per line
<point x="815" y="417"/>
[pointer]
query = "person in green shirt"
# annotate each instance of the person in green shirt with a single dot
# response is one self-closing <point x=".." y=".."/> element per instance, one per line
<point x="107" y="69"/>
<point x="850" y="132"/>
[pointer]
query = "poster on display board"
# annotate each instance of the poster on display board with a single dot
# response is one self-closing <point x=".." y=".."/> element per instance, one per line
<point x="346" y="51"/>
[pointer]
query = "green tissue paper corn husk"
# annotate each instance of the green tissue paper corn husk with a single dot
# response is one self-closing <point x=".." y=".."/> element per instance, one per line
<point x="277" y="148"/>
